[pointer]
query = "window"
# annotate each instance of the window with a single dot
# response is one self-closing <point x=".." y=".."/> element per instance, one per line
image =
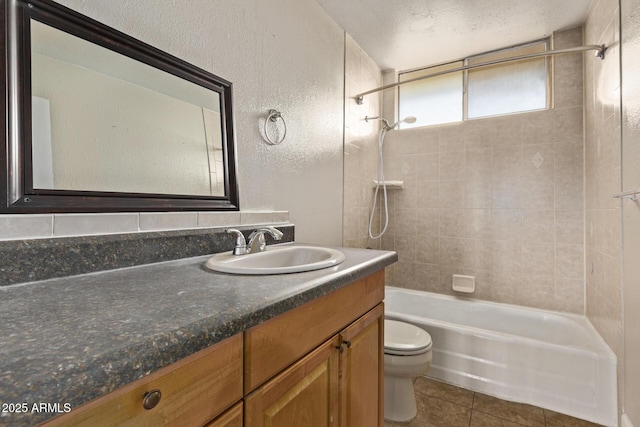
<point x="510" y="87"/>
<point x="505" y="88"/>
<point x="434" y="100"/>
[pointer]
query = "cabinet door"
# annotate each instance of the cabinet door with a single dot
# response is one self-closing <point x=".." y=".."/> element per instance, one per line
<point x="304" y="395"/>
<point x="231" y="418"/>
<point x="279" y="342"/>
<point x="362" y="371"/>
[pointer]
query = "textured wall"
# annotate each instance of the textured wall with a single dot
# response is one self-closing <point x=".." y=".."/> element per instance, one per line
<point x="360" y="146"/>
<point x="498" y="198"/>
<point x="602" y="179"/>
<point x="286" y="55"/>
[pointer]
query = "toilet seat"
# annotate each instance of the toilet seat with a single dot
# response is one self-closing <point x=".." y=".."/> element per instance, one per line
<point x="405" y="339"/>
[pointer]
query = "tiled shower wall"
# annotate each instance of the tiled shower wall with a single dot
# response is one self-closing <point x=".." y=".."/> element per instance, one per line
<point x="603" y="178"/>
<point x="360" y="146"/>
<point x="498" y="198"/>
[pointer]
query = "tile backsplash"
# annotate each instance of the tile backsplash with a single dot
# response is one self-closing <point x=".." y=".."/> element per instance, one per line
<point x="16" y="227"/>
<point x="68" y="256"/>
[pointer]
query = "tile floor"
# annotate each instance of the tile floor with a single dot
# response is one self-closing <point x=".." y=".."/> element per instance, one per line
<point x="444" y="405"/>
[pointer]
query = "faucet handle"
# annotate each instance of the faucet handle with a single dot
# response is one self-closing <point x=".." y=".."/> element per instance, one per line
<point x="241" y="244"/>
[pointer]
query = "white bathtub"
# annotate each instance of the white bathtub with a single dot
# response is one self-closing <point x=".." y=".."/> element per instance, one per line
<point x="548" y="359"/>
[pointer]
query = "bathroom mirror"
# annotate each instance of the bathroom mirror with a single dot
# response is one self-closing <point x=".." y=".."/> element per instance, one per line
<point x="99" y="121"/>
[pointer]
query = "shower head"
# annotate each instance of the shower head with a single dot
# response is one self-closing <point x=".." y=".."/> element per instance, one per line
<point x="387" y="126"/>
<point x="408" y="119"/>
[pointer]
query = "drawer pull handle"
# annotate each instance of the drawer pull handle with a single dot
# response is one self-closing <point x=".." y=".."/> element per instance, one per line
<point x="151" y="399"/>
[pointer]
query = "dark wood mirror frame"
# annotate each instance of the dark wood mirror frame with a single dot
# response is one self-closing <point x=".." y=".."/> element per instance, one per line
<point x="16" y="180"/>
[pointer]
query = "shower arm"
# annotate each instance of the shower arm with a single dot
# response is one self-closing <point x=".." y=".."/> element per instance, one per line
<point x="384" y="121"/>
<point x="600" y="50"/>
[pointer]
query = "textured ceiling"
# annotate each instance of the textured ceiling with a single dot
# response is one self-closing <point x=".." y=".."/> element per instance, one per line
<point x="406" y="34"/>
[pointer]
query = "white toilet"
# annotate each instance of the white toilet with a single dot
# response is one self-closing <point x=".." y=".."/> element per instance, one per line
<point x="407" y="355"/>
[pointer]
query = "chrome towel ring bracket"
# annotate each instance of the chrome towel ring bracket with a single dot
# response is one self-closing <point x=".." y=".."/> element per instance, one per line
<point x="273" y="117"/>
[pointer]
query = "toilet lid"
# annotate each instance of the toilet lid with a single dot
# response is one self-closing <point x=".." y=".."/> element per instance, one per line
<point x="402" y="338"/>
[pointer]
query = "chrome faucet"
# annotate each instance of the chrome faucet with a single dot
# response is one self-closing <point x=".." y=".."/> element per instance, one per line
<point x="256" y="239"/>
<point x="256" y="242"/>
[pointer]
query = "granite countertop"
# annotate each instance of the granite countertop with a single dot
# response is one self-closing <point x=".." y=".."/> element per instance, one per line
<point x="70" y="340"/>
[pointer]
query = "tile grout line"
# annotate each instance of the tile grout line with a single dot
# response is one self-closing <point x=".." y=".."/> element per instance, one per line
<point x="473" y="401"/>
<point x="546" y="421"/>
<point x="499" y="417"/>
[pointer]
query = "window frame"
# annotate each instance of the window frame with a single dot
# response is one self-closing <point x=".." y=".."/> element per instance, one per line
<point x="546" y="41"/>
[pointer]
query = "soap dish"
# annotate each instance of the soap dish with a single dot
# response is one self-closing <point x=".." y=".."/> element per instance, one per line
<point x="466" y="284"/>
<point x="391" y="185"/>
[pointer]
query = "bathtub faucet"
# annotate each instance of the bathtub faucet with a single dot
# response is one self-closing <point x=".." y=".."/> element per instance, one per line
<point x="256" y="242"/>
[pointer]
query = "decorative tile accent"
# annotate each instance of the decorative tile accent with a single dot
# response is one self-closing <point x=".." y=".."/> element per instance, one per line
<point x="406" y="169"/>
<point x="537" y="160"/>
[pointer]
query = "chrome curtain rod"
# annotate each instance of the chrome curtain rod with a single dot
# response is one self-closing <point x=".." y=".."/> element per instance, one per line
<point x="600" y="49"/>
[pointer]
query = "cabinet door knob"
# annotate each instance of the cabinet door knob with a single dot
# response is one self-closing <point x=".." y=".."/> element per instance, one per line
<point x="151" y="399"/>
<point x="342" y="345"/>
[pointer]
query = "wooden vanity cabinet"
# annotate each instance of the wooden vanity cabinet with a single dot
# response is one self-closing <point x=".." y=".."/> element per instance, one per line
<point x="337" y="384"/>
<point x="193" y="391"/>
<point x="340" y="382"/>
<point x="231" y="418"/>
<point x="362" y="371"/>
<point x="306" y="394"/>
<point x="319" y="364"/>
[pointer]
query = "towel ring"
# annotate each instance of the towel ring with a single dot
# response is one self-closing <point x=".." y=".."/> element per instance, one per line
<point x="273" y="117"/>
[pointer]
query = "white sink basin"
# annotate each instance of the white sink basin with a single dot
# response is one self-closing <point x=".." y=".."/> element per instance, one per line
<point x="276" y="260"/>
